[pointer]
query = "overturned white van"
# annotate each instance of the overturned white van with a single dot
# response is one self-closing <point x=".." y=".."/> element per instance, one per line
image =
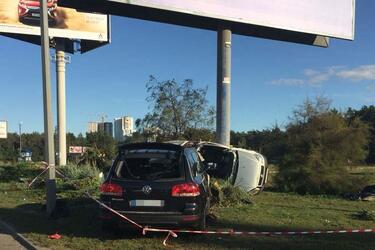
<point x="244" y="168"/>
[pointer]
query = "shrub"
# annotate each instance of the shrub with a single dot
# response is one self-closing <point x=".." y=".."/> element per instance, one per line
<point x="224" y="194"/>
<point x="93" y="157"/>
<point x="79" y="172"/>
<point x="82" y="177"/>
<point x="320" y="145"/>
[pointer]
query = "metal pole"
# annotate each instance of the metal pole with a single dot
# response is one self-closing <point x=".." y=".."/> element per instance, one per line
<point x="20" y="131"/>
<point x="61" y="101"/>
<point x="48" y="122"/>
<point x="224" y="43"/>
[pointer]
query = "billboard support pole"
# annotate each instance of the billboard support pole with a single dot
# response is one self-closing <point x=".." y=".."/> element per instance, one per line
<point x="48" y="121"/>
<point x="61" y="100"/>
<point x="224" y="44"/>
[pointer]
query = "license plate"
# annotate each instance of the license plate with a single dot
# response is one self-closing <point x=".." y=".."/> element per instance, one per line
<point x="35" y="14"/>
<point x="146" y="203"/>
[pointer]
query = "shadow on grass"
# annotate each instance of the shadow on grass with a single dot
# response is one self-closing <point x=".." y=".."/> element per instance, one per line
<point x="79" y="219"/>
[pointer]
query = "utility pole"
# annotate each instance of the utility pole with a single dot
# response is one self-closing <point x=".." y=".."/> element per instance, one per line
<point x="20" y="132"/>
<point x="48" y="121"/>
<point x="61" y="60"/>
<point x="224" y="44"/>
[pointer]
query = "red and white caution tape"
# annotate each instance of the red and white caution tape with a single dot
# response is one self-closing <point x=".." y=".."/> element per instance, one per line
<point x="232" y="232"/>
<point x="44" y="170"/>
<point x="115" y="212"/>
<point x="32" y="182"/>
<point x="229" y="232"/>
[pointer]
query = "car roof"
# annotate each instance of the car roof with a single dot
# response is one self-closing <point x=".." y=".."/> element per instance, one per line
<point x="213" y="144"/>
<point x="172" y="145"/>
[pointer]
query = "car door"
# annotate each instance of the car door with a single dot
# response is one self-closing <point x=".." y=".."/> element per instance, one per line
<point x="197" y="171"/>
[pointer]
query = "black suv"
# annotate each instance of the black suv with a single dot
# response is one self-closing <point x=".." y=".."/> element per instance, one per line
<point x="157" y="184"/>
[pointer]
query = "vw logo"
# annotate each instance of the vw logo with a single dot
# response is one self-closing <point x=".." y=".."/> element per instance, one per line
<point x="146" y="189"/>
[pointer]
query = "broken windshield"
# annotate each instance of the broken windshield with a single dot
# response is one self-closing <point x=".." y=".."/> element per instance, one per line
<point x="149" y="165"/>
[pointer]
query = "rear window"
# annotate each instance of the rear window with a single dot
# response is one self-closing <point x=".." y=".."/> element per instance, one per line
<point x="149" y="165"/>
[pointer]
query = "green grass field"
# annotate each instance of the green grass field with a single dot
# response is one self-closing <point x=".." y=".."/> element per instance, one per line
<point x="270" y="211"/>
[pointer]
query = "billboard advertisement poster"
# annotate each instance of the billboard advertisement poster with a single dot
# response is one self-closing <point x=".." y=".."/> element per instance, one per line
<point x="77" y="150"/>
<point x="23" y="17"/>
<point x="3" y="129"/>
<point x="332" y="18"/>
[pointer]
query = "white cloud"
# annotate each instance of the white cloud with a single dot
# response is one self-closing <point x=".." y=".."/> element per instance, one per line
<point x="316" y="78"/>
<point x="288" y="82"/>
<point x="361" y="73"/>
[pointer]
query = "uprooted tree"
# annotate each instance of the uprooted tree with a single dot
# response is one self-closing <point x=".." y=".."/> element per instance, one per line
<point x="178" y="110"/>
<point x="321" y="144"/>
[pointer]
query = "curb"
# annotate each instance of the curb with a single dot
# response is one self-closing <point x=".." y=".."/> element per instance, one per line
<point x="18" y="237"/>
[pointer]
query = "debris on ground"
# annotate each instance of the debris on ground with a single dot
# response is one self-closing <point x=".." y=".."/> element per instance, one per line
<point x="55" y="236"/>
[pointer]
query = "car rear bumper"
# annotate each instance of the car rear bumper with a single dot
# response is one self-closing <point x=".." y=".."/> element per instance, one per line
<point x="152" y="218"/>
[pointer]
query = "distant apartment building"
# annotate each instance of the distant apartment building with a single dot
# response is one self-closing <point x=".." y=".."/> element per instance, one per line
<point x="124" y="127"/>
<point x="106" y="127"/>
<point x="92" y="127"/>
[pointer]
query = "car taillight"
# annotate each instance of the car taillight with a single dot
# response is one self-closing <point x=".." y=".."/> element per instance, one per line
<point x="111" y="189"/>
<point x="185" y="190"/>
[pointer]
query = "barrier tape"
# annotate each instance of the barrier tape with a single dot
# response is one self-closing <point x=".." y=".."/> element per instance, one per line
<point x="115" y="212"/>
<point x="44" y="170"/>
<point x="173" y="233"/>
<point x="144" y="229"/>
<point x="32" y="182"/>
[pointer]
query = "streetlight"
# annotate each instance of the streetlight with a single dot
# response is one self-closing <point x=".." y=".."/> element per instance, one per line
<point x="20" y="132"/>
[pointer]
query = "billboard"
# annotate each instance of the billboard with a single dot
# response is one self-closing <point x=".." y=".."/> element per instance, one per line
<point x="308" y="22"/>
<point x="77" y="149"/>
<point x="3" y="129"/>
<point x="332" y="18"/>
<point x="23" y="17"/>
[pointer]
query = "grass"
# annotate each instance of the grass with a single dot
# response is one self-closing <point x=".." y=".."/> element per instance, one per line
<point x="270" y="211"/>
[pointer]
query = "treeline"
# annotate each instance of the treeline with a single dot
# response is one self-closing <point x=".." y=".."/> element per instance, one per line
<point x="275" y="142"/>
<point x="9" y="148"/>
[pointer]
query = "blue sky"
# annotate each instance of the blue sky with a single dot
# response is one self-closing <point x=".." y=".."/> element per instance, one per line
<point x="269" y="78"/>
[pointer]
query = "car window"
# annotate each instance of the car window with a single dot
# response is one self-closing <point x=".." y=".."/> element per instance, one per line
<point x="194" y="161"/>
<point x="149" y="164"/>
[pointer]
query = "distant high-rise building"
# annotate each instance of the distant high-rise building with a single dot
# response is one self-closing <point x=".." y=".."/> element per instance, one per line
<point x="124" y="127"/>
<point x="106" y="127"/>
<point x="92" y="127"/>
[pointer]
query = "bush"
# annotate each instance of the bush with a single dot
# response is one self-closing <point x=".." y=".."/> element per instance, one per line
<point x="93" y="157"/>
<point x="79" y="172"/>
<point x="224" y="194"/>
<point x="321" y="143"/>
<point x="79" y="178"/>
<point x="21" y="172"/>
